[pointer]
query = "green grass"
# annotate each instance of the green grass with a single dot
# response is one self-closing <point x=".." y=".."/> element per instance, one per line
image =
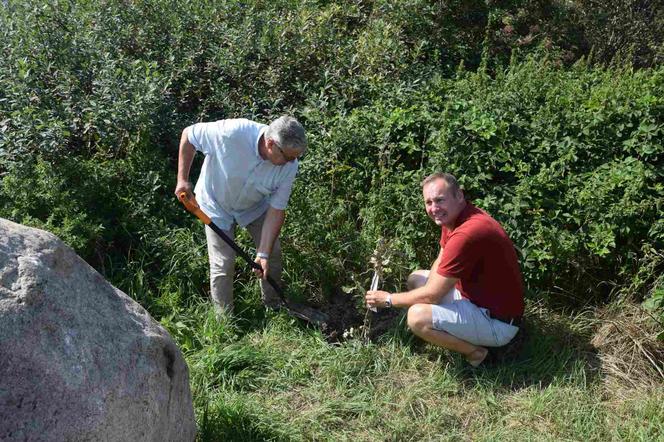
<point x="258" y="376"/>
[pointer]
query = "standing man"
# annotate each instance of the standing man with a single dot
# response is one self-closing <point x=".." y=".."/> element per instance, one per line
<point x="246" y="179"/>
<point x="472" y="297"/>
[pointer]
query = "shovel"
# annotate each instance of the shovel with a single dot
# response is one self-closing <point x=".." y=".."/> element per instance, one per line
<point x="297" y="310"/>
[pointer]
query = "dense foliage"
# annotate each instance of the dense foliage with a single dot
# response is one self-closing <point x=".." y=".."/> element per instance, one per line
<point x="550" y="112"/>
<point x="569" y="159"/>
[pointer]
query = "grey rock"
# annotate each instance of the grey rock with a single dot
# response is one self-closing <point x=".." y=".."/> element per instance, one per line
<point x="79" y="359"/>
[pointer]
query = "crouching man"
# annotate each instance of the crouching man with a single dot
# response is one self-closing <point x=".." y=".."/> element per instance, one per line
<point x="472" y="297"/>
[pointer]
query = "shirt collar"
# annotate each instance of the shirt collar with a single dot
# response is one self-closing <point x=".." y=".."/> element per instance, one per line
<point x="464" y="214"/>
<point x="260" y="134"/>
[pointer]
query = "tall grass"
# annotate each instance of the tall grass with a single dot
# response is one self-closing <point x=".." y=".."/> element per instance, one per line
<point x="278" y="379"/>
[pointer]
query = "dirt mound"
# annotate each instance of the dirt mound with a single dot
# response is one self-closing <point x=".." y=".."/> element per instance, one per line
<point x="344" y="316"/>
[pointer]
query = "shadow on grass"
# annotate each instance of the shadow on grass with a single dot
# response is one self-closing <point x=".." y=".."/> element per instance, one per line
<point x="551" y="351"/>
<point x="253" y="316"/>
<point x="250" y="314"/>
<point x="233" y="422"/>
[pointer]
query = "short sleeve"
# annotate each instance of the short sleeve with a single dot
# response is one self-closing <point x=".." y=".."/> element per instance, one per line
<point x="202" y="136"/>
<point x="279" y="199"/>
<point x="458" y="256"/>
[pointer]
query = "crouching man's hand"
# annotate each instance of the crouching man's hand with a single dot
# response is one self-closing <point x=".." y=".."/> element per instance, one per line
<point x="378" y="298"/>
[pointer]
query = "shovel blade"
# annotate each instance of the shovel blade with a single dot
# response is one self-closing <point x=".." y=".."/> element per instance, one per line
<point x="306" y="313"/>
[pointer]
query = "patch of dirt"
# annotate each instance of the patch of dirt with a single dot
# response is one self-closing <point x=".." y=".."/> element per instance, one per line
<point x="343" y="315"/>
<point x="339" y="318"/>
<point x="382" y="321"/>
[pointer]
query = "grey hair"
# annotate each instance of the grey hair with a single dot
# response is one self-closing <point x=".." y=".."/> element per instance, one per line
<point x="447" y="177"/>
<point x="288" y="133"/>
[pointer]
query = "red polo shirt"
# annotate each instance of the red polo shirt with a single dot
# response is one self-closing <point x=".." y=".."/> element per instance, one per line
<point x="481" y="255"/>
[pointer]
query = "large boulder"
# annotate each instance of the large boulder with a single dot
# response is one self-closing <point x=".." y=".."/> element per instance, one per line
<point x="79" y="359"/>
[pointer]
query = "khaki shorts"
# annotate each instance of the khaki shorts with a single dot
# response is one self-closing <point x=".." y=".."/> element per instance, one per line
<point x="463" y="319"/>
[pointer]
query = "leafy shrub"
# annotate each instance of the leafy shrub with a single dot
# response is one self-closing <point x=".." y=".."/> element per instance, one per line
<point x="630" y="29"/>
<point x="570" y="162"/>
<point x="93" y="97"/>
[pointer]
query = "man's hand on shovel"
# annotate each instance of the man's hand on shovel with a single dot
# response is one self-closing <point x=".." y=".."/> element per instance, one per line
<point x="265" y="265"/>
<point x="184" y="187"/>
<point x="259" y="265"/>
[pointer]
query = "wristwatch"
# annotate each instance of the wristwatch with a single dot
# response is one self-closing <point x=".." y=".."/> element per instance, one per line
<point x="262" y="255"/>
<point x="388" y="301"/>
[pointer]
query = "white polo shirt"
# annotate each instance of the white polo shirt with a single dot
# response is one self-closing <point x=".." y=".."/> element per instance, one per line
<point x="235" y="183"/>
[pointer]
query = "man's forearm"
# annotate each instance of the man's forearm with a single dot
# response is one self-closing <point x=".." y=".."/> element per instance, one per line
<point x="432" y="292"/>
<point x="185" y="157"/>
<point x="420" y="295"/>
<point x="274" y="219"/>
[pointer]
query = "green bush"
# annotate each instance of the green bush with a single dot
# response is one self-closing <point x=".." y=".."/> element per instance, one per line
<point x="630" y="29"/>
<point x="570" y="162"/>
<point x="93" y="97"/>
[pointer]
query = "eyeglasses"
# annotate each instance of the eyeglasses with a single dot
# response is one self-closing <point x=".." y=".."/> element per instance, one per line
<point x="281" y="151"/>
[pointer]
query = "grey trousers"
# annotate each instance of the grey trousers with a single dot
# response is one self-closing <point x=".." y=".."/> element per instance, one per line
<point x="222" y="266"/>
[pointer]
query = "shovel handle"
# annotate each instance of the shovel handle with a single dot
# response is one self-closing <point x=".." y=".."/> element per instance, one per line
<point x="191" y="205"/>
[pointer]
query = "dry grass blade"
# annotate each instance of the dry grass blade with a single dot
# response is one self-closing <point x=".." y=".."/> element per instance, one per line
<point x="629" y="349"/>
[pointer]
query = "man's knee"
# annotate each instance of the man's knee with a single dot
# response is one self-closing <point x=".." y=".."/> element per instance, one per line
<point x="419" y="317"/>
<point x="222" y="266"/>
<point x="221" y="259"/>
<point x="417" y="279"/>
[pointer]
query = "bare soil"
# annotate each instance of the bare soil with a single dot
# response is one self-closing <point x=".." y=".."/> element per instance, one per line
<point x="344" y="315"/>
